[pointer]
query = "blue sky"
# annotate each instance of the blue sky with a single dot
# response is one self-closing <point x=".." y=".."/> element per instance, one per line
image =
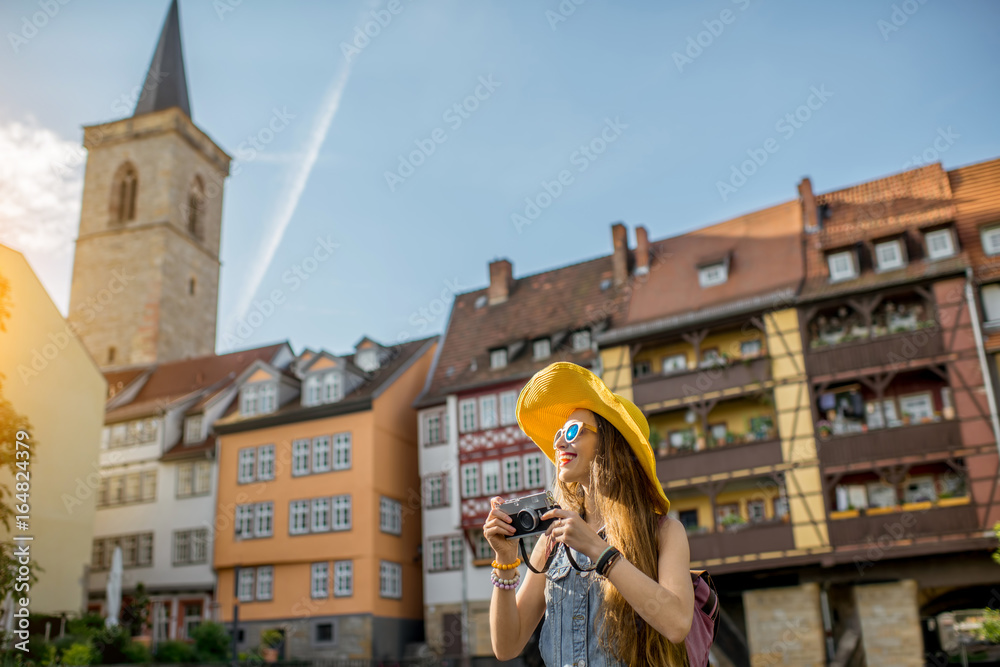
<point x="893" y="77"/>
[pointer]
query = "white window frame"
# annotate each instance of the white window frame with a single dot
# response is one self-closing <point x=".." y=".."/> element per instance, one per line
<point x="488" y="411"/>
<point x="533" y="465"/>
<point x="321" y="454"/>
<point x="437" y="561"/>
<point x="713" y="274"/>
<point x="940" y="234"/>
<point x="246" y="466"/>
<point x="185" y="480"/>
<point x="512" y="478"/>
<point x="455" y="553"/>
<point x="467" y="415"/>
<point x="342" y="451"/>
<point x="390" y="580"/>
<point x="193" y="429"/>
<point x="313" y="391"/>
<point x="248" y="400"/>
<point x="301" y="456"/>
<point x="340" y="513"/>
<point x="343" y="578"/>
<point x="470" y="480"/>
<point x="320" y="515"/>
<point x="674" y="363"/>
<point x="319" y="580"/>
<point x="298" y="517"/>
<point x="267" y="398"/>
<point x="890" y="261"/>
<point x="498" y="358"/>
<point x="243" y="525"/>
<point x="991" y="240"/>
<point x="265" y="582"/>
<point x="491" y="477"/>
<point x="581" y="340"/>
<point x="541" y="349"/>
<point x="508" y="408"/>
<point x="263" y="519"/>
<point x="990" y="297"/>
<point x="433" y="435"/>
<point x="851" y="271"/>
<point x="434" y="490"/>
<point x="333" y="387"/>
<point x="245" y="584"/>
<point x="390" y="516"/>
<point x="265" y="462"/>
<point x="924" y="397"/>
<point x="202" y="478"/>
<point x="744" y="345"/>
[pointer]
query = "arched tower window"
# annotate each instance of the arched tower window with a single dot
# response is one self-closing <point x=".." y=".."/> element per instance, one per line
<point x="196" y="209"/>
<point x="123" y="194"/>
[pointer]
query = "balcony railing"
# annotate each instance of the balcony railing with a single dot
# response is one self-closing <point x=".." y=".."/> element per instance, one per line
<point x="919" y="520"/>
<point x="655" y="388"/>
<point x="724" y="458"/>
<point x="753" y="538"/>
<point x="887" y="443"/>
<point x="881" y="351"/>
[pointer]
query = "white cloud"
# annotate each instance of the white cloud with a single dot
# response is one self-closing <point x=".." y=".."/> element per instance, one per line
<point x="41" y="184"/>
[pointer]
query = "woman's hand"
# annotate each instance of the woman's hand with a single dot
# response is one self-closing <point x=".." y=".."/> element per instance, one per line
<point x="496" y="528"/>
<point x="574" y="532"/>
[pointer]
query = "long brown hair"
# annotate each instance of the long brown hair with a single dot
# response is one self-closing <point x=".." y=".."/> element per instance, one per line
<point x="631" y="508"/>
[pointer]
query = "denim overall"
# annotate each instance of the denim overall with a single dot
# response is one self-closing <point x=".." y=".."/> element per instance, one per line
<point x="572" y="602"/>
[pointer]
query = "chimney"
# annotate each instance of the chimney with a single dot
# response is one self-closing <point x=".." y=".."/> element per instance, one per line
<point x="641" y="251"/>
<point x="501" y="279"/>
<point x="808" y="201"/>
<point x="619" y="256"/>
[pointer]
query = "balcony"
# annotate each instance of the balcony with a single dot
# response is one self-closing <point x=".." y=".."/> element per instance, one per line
<point x="889" y="443"/>
<point x="905" y="522"/>
<point x="874" y="352"/>
<point x="752" y="538"/>
<point x="724" y="458"/>
<point x="656" y="388"/>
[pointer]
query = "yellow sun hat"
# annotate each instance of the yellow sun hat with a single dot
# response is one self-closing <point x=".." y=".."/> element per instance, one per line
<point x="554" y="392"/>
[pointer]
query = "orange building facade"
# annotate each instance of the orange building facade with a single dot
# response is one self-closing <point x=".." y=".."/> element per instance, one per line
<point x="318" y="516"/>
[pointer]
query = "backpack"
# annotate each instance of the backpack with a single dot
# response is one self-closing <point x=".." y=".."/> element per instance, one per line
<point x="704" y="623"/>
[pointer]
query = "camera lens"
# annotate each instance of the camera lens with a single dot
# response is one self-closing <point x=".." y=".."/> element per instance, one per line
<point x="527" y="520"/>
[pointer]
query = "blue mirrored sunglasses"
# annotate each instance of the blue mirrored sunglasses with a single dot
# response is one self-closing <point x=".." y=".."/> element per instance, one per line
<point x="572" y="430"/>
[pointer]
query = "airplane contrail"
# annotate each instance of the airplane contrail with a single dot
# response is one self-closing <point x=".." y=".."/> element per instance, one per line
<point x="290" y="200"/>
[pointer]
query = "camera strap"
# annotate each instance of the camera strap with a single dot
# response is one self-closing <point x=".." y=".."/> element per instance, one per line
<point x="552" y="554"/>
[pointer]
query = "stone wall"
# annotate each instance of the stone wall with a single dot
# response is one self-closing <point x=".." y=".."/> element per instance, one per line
<point x="890" y="623"/>
<point x="785" y="626"/>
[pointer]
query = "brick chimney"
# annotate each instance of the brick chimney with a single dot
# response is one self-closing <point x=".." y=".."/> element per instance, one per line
<point x="501" y="280"/>
<point x="619" y="256"/>
<point x="807" y="199"/>
<point x="641" y="251"/>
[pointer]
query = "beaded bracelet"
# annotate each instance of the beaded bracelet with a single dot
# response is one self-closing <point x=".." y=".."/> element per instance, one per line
<point x="508" y="566"/>
<point x="506" y="584"/>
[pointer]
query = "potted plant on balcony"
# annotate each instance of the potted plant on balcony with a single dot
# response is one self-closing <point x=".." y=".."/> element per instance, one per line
<point x="732" y="521"/>
<point x="907" y="418"/>
<point x="824" y="429"/>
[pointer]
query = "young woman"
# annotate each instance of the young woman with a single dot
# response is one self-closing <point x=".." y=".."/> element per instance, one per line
<point x="637" y="607"/>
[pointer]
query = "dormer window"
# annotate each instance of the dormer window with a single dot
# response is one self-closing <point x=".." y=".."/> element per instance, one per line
<point x="313" y="390"/>
<point x="367" y="359"/>
<point x="940" y="243"/>
<point x="332" y="388"/>
<point x="991" y="240"/>
<point x="542" y="348"/>
<point x="192" y="429"/>
<point x="498" y="358"/>
<point x="713" y="274"/>
<point x="323" y="388"/>
<point x="581" y="340"/>
<point x="258" y="399"/>
<point x="889" y="255"/>
<point x="842" y="266"/>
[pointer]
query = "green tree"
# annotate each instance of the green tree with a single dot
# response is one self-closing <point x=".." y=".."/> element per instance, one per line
<point x="211" y="642"/>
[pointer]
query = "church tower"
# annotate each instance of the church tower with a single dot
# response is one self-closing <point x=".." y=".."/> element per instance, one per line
<point x="146" y="270"/>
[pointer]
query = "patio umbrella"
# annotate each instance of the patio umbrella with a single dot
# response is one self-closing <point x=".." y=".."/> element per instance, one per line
<point x="114" y="588"/>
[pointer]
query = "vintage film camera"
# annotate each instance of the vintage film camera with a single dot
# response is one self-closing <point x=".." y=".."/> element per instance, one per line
<point x="526" y="514"/>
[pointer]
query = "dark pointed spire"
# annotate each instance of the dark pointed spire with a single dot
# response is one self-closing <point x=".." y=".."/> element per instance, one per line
<point x="166" y="84"/>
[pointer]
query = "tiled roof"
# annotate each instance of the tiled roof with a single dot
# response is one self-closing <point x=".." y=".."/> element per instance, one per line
<point x="765" y="256"/>
<point x="198" y="450"/>
<point x="400" y="355"/>
<point x="119" y="379"/>
<point x="976" y="190"/>
<point x="546" y="304"/>
<point x="174" y="380"/>
<point x="914" y="271"/>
